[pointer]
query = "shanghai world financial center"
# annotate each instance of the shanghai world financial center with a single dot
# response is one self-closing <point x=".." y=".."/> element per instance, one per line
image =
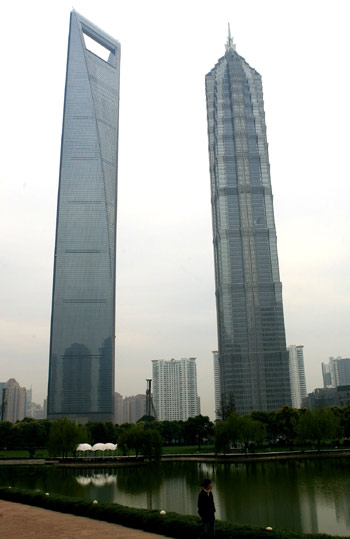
<point x="252" y="350"/>
<point x="81" y="370"/>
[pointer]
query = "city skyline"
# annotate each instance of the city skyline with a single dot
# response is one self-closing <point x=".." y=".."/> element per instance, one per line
<point x="82" y="339"/>
<point x="165" y="295"/>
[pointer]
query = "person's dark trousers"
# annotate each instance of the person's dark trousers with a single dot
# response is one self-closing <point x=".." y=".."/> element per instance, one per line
<point x="208" y="529"/>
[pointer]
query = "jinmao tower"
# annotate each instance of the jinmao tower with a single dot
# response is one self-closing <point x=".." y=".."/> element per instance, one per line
<point x="81" y="370"/>
<point x="253" y="357"/>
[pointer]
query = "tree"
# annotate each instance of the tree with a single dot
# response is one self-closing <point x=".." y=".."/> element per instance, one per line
<point x="287" y="421"/>
<point x="6" y="435"/>
<point x="198" y="429"/>
<point x="344" y="421"/>
<point x="170" y="431"/>
<point x="318" y="426"/>
<point x="32" y="434"/>
<point x="144" y="439"/>
<point x="222" y="437"/>
<point x="251" y="430"/>
<point x="131" y="438"/>
<point x="152" y="443"/>
<point x="227" y="405"/>
<point x="227" y="432"/>
<point x="64" y="437"/>
<point x="101" y="432"/>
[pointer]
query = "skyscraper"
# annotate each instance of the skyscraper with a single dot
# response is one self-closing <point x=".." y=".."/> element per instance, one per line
<point x="297" y="375"/>
<point x="81" y="370"/>
<point x="337" y="372"/>
<point x="251" y="336"/>
<point x="175" y="389"/>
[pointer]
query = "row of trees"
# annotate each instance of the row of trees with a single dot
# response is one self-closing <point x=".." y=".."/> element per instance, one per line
<point x="286" y="426"/>
<point x="62" y="436"/>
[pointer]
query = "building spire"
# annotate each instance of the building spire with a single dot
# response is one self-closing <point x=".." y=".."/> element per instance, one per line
<point x="230" y="45"/>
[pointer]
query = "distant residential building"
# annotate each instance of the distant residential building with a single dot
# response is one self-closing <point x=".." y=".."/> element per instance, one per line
<point x="175" y="389"/>
<point x="13" y="401"/>
<point x="336" y="372"/>
<point x="118" y="409"/>
<point x="297" y="375"/>
<point x="28" y="407"/>
<point x="134" y="408"/>
<point x="37" y="411"/>
<point x="129" y="409"/>
<point x="326" y="397"/>
<point x="217" y="384"/>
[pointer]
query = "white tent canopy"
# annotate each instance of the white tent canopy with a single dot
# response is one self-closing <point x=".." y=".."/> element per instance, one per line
<point x="84" y="447"/>
<point x="97" y="447"/>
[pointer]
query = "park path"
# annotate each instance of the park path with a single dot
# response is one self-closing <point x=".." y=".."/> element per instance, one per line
<point x="19" y="521"/>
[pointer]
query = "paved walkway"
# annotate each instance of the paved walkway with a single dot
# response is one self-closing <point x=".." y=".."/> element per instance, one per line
<point x="19" y="521"/>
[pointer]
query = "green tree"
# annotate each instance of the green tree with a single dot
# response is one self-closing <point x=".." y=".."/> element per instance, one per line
<point x="131" y="438"/>
<point x="227" y="405"/>
<point x="287" y="421"/>
<point x="101" y="432"/>
<point x="152" y="443"/>
<point x="251" y="430"/>
<point x="144" y="439"/>
<point x="32" y="434"/>
<point x="170" y="432"/>
<point x="198" y="430"/>
<point x="64" y="437"/>
<point x="344" y="421"/>
<point x="318" y="426"/>
<point x="222" y="437"/>
<point x="227" y="433"/>
<point x="6" y="435"/>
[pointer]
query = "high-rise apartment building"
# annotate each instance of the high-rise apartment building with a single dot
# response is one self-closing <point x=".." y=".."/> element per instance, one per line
<point x="13" y="401"/>
<point x="297" y="375"/>
<point x="81" y="370"/>
<point x="129" y="409"/>
<point x="251" y="337"/>
<point x="175" y="389"/>
<point x="337" y="372"/>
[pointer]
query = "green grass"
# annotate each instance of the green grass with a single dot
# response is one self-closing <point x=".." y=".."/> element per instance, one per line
<point x="187" y="449"/>
<point x="170" y="525"/>
<point x="22" y="453"/>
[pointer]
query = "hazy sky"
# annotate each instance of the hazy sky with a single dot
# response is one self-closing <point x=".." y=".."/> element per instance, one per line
<point x="165" y="269"/>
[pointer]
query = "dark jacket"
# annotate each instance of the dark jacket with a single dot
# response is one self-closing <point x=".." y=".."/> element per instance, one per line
<point x="206" y="506"/>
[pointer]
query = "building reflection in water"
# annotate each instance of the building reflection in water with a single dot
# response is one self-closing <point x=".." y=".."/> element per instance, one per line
<point x="311" y="496"/>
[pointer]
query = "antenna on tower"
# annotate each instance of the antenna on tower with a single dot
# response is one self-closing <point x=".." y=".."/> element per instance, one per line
<point x="150" y="410"/>
<point x="230" y="45"/>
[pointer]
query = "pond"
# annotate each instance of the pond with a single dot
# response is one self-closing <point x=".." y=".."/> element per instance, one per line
<point x="311" y="496"/>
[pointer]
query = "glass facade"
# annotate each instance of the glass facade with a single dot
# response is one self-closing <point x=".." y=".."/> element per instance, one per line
<point x="252" y="348"/>
<point x="82" y="348"/>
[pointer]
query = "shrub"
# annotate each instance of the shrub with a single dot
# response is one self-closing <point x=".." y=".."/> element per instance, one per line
<point x="170" y="525"/>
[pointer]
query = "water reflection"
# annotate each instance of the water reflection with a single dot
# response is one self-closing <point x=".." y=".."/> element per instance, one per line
<point x="310" y="496"/>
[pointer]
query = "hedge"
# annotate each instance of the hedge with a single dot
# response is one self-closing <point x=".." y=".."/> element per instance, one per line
<point x="170" y="525"/>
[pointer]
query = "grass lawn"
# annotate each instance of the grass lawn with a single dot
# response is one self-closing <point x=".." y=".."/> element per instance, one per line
<point x="187" y="449"/>
<point x="22" y="453"/>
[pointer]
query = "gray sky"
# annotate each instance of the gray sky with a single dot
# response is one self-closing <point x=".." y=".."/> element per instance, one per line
<point x="165" y="273"/>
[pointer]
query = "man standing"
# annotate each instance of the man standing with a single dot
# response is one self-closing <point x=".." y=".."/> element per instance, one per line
<point x="206" y="509"/>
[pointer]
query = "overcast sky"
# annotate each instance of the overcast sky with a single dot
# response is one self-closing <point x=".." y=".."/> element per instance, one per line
<point x="165" y="269"/>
